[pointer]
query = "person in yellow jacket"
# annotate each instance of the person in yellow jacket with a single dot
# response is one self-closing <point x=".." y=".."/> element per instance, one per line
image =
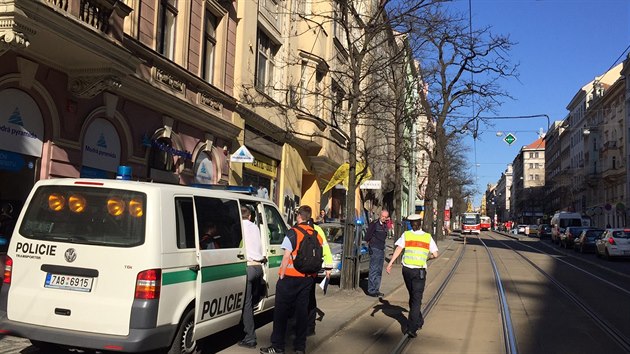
<point x="327" y="265"/>
<point x="419" y="247"/>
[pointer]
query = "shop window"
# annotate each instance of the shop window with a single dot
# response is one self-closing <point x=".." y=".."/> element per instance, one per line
<point x="162" y="156"/>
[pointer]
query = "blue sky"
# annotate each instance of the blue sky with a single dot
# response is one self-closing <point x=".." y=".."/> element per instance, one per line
<point x="561" y="46"/>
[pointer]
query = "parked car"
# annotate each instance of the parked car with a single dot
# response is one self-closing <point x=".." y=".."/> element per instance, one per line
<point x="335" y="236"/>
<point x="521" y="229"/>
<point x="613" y="243"/>
<point x="570" y="234"/>
<point x="586" y="241"/>
<point x="544" y="231"/>
<point x="532" y="230"/>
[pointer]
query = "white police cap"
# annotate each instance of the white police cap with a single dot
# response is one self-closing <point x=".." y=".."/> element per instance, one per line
<point x="413" y="217"/>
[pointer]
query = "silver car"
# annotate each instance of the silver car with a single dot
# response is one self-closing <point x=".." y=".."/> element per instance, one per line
<point x="613" y="243"/>
<point x="335" y="236"/>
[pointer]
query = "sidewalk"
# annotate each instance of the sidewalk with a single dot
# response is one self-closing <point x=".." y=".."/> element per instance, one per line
<point x="339" y="307"/>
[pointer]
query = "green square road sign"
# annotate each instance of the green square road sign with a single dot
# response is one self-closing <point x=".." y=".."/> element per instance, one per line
<point x="509" y="139"/>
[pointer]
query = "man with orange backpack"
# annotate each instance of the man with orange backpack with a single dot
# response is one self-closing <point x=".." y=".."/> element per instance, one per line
<point x="302" y="259"/>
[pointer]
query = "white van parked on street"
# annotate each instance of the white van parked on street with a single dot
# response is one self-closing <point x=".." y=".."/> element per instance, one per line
<point x="132" y="266"/>
<point x="560" y="221"/>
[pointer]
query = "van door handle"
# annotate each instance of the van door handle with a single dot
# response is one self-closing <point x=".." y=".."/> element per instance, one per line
<point x="240" y="256"/>
<point x="194" y="268"/>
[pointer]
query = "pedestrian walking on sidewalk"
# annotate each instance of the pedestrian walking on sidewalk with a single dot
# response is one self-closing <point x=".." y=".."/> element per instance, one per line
<point x="293" y="288"/>
<point x="419" y="247"/>
<point x="375" y="237"/>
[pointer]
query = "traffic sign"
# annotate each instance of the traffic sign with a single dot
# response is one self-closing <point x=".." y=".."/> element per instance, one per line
<point x="509" y="139"/>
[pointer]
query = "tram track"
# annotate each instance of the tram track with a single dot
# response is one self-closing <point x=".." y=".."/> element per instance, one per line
<point x="508" y="329"/>
<point x="615" y="334"/>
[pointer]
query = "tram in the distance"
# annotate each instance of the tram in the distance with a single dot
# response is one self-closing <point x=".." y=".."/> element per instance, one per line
<point x="484" y="223"/>
<point x="471" y="223"/>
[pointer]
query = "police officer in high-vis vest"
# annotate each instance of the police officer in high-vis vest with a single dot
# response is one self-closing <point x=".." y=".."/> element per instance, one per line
<point x="419" y="247"/>
<point x="293" y="289"/>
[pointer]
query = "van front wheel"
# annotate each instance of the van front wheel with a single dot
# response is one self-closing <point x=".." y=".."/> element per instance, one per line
<point x="183" y="343"/>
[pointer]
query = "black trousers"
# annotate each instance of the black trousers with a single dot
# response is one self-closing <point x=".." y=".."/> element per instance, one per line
<point x="415" y="279"/>
<point x="292" y="293"/>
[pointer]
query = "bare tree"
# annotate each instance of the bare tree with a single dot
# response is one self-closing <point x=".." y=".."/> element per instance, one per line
<point x="461" y="69"/>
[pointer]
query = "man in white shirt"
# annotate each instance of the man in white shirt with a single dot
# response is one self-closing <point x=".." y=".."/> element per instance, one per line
<point x="419" y="247"/>
<point x="255" y="259"/>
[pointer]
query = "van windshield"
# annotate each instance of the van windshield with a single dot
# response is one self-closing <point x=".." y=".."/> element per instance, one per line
<point x="86" y="215"/>
<point x="570" y="222"/>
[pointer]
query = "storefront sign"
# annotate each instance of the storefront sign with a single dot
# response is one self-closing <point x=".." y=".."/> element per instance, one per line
<point x="21" y="124"/>
<point x="242" y="155"/>
<point x="10" y="161"/>
<point x="263" y="165"/>
<point x="204" y="169"/>
<point x="101" y="146"/>
<point x="371" y="184"/>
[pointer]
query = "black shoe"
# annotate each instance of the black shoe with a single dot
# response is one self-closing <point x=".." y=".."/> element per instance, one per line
<point x="271" y="350"/>
<point x="380" y="294"/>
<point x="412" y="334"/>
<point x="246" y="344"/>
<point x="299" y="352"/>
<point x="372" y="294"/>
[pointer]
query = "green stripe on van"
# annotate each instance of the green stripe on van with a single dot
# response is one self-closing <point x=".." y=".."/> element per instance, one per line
<point x="275" y="261"/>
<point x="223" y="271"/>
<point x="210" y="273"/>
<point x="179" y="277"/>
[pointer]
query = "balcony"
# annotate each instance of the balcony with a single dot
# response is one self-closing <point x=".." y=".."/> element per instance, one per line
<point x="82" y="38"/>
<point x="614" y="175"/>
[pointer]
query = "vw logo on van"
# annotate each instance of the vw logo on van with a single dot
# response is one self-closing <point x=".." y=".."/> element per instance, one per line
<point x="70" y="255"/>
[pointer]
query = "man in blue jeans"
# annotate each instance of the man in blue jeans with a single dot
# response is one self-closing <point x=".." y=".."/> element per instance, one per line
<point x="375" y="237"/>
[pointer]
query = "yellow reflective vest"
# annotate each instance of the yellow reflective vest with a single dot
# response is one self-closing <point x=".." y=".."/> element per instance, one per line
<point x="416" y="249"/>
<point x="328" y="260"/>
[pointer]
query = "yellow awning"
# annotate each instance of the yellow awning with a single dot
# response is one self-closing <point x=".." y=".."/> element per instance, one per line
<point x="340" y="176"/>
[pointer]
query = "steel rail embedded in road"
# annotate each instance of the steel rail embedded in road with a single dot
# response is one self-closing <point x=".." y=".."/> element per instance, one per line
<point x="614" y="333"/>
<point x="508" y="329"/>
<point x="404" y="341"/>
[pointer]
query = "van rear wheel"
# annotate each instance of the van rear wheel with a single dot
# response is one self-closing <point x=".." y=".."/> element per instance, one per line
<point x="183" y="343"/>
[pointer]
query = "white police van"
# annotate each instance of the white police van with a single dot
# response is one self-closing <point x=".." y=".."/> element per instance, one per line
<point x="121" y="265"/>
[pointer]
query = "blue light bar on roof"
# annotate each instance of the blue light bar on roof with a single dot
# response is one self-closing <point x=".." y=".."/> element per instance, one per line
<point x="221" y="187"/>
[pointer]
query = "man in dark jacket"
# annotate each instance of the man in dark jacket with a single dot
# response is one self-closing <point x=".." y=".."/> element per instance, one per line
<point x="375" y="237"/>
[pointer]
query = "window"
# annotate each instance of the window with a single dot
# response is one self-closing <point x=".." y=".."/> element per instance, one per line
<point x="531" y="165"/>
<point x="166" y="28"/>
<point x="209" y="44"/>
<point x="184" y="223"/>
<point x="319" y="78"/>
<point x="276" y="228"/>
<point x="338" y="97"/>
<point x="265" y="63"/>
<point x="536" y="177"/>
<point x="303" y="84"/>
<point x="614" y="162"/>
<point x="219" y="223"/>
<point x="162" y="155"/>
<point x="99" y="216"/>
